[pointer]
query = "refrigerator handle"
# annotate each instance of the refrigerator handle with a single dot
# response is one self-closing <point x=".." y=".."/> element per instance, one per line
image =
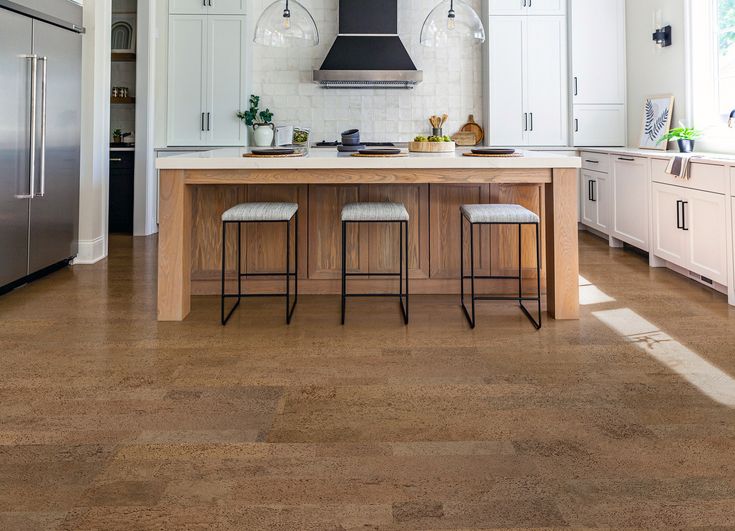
<point x="44" y="94"/>
<point x="32" y="159"/>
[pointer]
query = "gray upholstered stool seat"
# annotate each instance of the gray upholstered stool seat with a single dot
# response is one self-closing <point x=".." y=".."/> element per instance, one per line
<point x="261" y="212"/>
<point x="354" y="212"/>
<point x="498" y="214"/>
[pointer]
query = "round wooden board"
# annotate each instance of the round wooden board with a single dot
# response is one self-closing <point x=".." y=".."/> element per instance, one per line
<point x="432" y="147"/>
<point x="473" y="127"/>
<point x="254" y="156"/>
<point x="372" y="155"/>
<point x="489" y="155"/>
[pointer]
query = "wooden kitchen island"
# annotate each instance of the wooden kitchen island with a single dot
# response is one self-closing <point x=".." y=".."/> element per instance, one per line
<point x="195" y="189"/>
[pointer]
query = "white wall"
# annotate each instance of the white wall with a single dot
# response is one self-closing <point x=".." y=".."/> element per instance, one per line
<point x="94" y="178"/>
<point x="283" y="79"/>
<point x="653" y="70"/>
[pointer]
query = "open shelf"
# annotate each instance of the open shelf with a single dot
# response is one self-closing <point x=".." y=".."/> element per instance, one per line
<point x="123" y="57"/>
<point x="122" y="101"/>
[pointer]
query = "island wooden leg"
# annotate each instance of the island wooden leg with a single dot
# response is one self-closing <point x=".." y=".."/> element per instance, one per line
<point x="174" y="247"/>
<point x="562" y="250"/>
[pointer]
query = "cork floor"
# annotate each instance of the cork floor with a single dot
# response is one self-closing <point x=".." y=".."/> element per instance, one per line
<point x="110" y="420"/>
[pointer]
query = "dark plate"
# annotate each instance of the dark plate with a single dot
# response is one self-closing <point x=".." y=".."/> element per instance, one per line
<point x="493" y="151"/>
<point x="380" y="151"/>
<point x="273" y="151"/>
<point x="350" y="149"/>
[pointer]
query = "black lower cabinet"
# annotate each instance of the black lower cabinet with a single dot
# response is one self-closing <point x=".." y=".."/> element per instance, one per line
<point x="122" y="191"/>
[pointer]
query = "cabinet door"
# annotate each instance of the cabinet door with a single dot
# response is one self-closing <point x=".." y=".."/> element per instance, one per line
<point x="187" y="80"/>
<point x="225" y="79"/>
<point x="507" y="118"/>
<point x="669" y="240"/>
<point x="598" y="51"/>
<point x="629" y="195"/>
<point x="227" y="7"/>
<point x="589" y="206"/>
<point x="603" y="198"/>
<point x="187" y="7"/>
<point x="599" y="125"/>
<point x="705" y="217"/>
<point x="508" y="7"/>
<point x="547" y="7"/>
<point x="546" y="81"/>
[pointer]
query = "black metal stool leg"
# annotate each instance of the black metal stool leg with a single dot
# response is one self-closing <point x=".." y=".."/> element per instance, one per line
<point x="405" y="224"/>
<point x="536" y="323"/>
<point x="225" y="318"/>
<point x="288" y="271"/>
<point x="344" y="269"/>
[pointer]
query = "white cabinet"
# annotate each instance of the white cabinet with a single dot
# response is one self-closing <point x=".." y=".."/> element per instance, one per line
<point x="596" y="201"/>
<point x="207" y="7"/>
<point x="630" y="201"/>
<point x="598" y="51"/>
<point x="690" y="230"/>
<point x="705" y="218"/>
<point x="599" y="125"/>
<point x="527" y="7"/>
<point x="598" y="72"/>
<point x="527" y="81"/>
<point x="206" y="80"/>
<point x="186" y="80"/>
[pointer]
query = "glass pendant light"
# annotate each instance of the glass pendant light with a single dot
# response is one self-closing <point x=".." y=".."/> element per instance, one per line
<point x="286" y="25"/>
<point x="452" y="20"/>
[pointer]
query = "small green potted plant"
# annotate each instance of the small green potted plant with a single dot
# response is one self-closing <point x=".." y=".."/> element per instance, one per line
<point x="260" y="122"/>
<point x="685" y="137"/>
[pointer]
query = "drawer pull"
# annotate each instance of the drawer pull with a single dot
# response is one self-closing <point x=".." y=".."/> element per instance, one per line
<point x="593" y="161"/>
<point x="626" y="159"/>
<point x="116" y="160"/>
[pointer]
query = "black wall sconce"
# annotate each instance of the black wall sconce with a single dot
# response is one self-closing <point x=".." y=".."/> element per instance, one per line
<point x="662" y="36"/>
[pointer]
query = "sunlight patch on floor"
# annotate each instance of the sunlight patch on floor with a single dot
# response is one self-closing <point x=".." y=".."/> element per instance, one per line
<point x="706" y="377"/>
<point x="590" y="294"/>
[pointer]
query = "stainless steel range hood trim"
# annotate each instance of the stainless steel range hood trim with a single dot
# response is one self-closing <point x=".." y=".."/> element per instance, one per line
<point x="368" y="78"/>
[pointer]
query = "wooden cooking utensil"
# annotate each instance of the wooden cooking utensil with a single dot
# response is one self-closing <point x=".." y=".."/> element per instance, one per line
<point x="444" y="119"/>
<point x="473" y="127"/>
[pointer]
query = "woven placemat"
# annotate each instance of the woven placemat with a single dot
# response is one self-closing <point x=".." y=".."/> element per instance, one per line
<point x="492" y="155"/>
<point x="254" y="156"/>
<point x="372" y="155"/>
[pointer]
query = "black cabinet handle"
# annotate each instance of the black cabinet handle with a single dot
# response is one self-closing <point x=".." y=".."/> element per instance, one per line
<point x="576" y="125"/>
<point x="203" y="122"/>
<point x="594" y="191"/>
<point x="684" y="215"/>
<point x="525" y="121"/>
<point x="678" y="214"/>
<point x="209" y="125"/>
<point x="576" y="86"/>
<point x="531" y="121"/>
<point x="626" y="159"/>
<point x="592" y="161"/>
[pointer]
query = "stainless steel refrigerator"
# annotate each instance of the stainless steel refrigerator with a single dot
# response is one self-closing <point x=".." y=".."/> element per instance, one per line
<point x="40" y="115"/>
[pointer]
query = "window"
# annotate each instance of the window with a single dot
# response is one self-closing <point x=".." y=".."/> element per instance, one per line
<point x="725" y="36"/>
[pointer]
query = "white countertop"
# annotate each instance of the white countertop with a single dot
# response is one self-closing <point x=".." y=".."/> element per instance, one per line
<point x="232" y="158"/>
<point x="714" y="158"/>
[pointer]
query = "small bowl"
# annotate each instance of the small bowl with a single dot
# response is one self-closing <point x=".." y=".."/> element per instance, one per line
<point x="351" y="137"/>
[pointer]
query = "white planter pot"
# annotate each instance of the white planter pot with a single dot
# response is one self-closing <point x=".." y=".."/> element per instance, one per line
<point x="263" y="135"/>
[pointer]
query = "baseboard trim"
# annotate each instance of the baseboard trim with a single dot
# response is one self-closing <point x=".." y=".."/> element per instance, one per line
<point x="91" y="251"/>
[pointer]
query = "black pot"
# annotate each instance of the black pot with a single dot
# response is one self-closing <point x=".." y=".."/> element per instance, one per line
<point x="686" y="146"/>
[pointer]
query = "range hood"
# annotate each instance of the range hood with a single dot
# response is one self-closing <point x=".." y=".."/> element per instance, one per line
<point x="368" y="53"/>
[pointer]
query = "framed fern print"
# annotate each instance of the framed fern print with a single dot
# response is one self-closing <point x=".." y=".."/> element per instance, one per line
<point x="657" y="111"/>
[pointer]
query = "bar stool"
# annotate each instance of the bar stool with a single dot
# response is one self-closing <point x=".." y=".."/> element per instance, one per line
<point x="377" y="213"/>
<point x="499" y="215"/>
<point x="285" y="213"/>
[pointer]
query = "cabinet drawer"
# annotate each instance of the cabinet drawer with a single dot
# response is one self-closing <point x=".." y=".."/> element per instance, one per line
<point x="705" y="177"/>
<point x="122" y="160"/>
<point x="595" y="161"/>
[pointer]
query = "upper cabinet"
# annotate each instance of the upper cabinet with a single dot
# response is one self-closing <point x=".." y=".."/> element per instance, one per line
<point x="527" y="7"/>
<point x="206" y="80"/>
<point x="598" y="51"/>
<point x="598" y="79"/>
<point x="527" y="81"/>
<point x="207" y="7"/>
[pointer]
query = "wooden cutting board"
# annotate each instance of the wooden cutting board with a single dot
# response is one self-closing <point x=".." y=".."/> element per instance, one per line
<point x="473" y="127"/>
<point x="432" y="147"/>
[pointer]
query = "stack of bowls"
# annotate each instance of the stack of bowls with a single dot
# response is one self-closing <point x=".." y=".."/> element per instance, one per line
<point x="351" y="141"/>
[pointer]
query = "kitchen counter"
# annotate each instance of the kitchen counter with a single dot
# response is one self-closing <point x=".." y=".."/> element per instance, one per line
<point x="704" y="157"/>
<point x="196" y="188"/>
<point x="323" y="158"/>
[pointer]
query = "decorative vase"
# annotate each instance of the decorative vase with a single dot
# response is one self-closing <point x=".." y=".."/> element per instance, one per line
<point x="263" y="134"/>
<point x="686" y="146"/>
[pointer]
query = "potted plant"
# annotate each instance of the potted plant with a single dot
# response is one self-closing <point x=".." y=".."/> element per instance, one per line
<point x="260" y="122"/>
<point x="118" y="137"/>
<point x="685" y="136"/>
